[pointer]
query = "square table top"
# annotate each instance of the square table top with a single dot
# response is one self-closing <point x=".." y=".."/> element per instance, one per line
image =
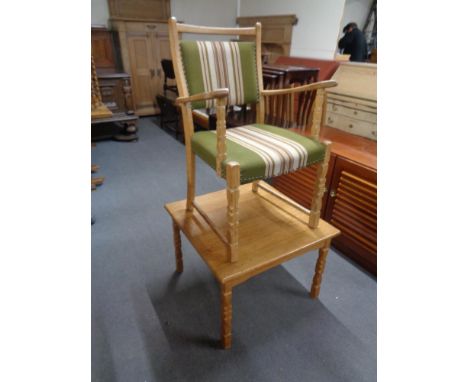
<point x="270" y="232"/>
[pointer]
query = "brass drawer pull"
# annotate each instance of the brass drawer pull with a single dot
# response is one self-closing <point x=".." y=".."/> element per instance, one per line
<point x="332" y="193"/>
<point x="150" y="26"/>
<point x="350" y="126"/>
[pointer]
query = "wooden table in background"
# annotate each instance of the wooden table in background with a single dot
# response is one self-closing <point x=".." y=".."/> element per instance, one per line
<point x="270" y="233"/>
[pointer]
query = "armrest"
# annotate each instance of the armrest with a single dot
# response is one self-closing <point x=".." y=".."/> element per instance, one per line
<point x="298" y="89"/>
<point x="218" y="93"/>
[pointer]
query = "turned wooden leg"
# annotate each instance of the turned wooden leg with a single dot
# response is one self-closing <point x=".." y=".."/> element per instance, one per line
<point x="319" y="188"/>
<point x="177" y="248"/>
<point x="190" y="181"/>
<point x="319" y="268"/>
<point x="233" y="183"/>
<point x="226" y="316"/>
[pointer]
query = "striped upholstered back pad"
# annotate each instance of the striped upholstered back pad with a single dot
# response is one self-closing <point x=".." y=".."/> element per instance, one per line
<point x="210" y="65"/>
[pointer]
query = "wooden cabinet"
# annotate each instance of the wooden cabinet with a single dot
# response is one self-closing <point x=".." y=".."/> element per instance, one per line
<point x="352" y="105"/>
<point x="352" y="116"/>
<point x="143" y="45"/>
<point x="352" y="208"/>
<point x="350" y="202"/>
<point x="102" y="47"/>
<point x="276" y="33"/>
<point x="116" y="92"/>
<point x="299" y="185"/>
<point x="140" y="9"/>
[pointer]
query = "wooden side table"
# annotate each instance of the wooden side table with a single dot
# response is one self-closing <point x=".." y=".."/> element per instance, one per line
<point x="270" y="233"/>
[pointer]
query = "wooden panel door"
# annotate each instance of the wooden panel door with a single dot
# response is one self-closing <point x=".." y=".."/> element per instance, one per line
<point x="102" y="49"/>
<point x="141" y="56"/>
<point x="352" y="208"/>
<point x="162" y="51"/>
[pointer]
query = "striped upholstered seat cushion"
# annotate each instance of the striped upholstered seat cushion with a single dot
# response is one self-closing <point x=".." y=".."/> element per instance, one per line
<point x="211" y="65"/>
<point x="263" y="151"/>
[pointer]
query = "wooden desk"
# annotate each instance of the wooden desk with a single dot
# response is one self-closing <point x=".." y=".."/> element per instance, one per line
<point x="270" y="233"/>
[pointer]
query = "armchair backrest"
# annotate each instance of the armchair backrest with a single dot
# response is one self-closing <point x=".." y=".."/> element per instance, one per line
<point x="204" y="66"/>
<point x="211" y="65"/>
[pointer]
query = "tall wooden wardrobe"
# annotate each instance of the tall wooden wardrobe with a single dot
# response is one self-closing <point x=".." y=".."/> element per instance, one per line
<point x="141" y="26"/>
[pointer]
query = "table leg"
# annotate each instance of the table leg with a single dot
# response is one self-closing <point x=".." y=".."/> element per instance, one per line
<point x="319" y="268"/>
<point x="177" y="247"/>
<point x="226" y="316"/>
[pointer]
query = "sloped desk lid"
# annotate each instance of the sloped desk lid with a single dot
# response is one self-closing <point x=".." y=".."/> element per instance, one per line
<point x="356" y="79"/>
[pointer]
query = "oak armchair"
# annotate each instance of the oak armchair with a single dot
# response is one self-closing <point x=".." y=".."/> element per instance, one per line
<point x="221" y="73"/>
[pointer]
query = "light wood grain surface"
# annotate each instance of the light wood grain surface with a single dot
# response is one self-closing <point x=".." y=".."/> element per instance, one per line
<point x="270" y="232"/>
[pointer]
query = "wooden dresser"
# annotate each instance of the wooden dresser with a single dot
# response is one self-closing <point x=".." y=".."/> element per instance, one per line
<point x="352" y="105"/>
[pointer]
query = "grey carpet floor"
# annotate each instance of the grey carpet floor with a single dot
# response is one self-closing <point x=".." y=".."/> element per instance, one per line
<point x="149" y="324"/>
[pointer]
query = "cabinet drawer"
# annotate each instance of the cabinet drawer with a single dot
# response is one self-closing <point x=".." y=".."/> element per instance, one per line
<point x="146" y="27"/>
<point x="352" y="112"/>
<point x="351" y="125"/>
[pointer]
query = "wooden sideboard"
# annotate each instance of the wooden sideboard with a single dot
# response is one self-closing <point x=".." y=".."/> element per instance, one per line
<point x="350" y="202"/>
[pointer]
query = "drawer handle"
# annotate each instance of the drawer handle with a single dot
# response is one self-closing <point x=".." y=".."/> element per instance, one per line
<point x="355" y="112"/>
<point x="332" y="193"/>
<point x="334" y="108"/>
<point x="149" y="26"/>
<point x="350" y="126"/>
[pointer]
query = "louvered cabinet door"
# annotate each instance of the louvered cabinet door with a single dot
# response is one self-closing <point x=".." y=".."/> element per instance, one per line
<point x="352" y="208"/>
<point x="299" y="185"/>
